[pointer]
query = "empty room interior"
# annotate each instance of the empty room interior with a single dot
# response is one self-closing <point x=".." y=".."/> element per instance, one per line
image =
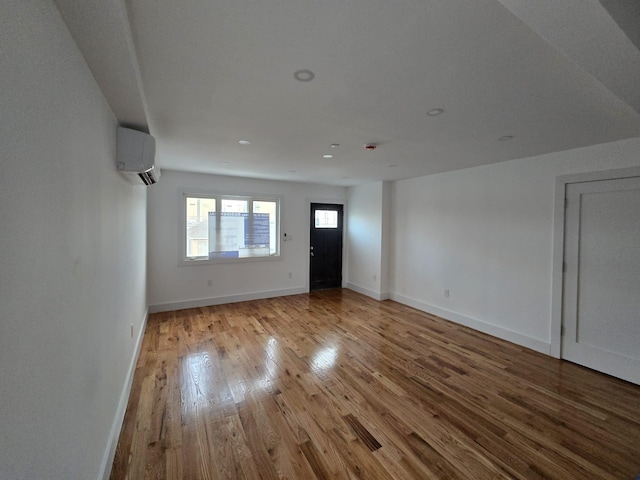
<point x="319" y="239"/>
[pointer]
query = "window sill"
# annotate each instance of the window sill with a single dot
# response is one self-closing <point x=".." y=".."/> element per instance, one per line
<point x="217" y="261"/>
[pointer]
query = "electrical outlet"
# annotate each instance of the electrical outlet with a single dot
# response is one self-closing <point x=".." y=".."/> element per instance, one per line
<point x="132" y="330"/>
<point x="446" y="292"/>
<point x="290" y="275"/>
<point x="375" y="277"/>
<point x="209" y="283"/>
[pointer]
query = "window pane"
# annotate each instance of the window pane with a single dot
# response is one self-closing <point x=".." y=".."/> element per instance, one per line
<point x="237" y="206"/>
<point x="326" y="219"/>
<point x="269" y="208"/>
<point x="198" y="210"/>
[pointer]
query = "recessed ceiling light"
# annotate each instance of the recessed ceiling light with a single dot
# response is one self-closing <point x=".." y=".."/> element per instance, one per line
<point x="435" y="111"/>
<point x="505" y="137"/>
<point x="292" y="171"/>
<point x="304" y="75"/>
<point x="244" y="142"/>
<point x="224" y="163"/>
<point x="335" y="145"/>
<point x="327" y="155"/>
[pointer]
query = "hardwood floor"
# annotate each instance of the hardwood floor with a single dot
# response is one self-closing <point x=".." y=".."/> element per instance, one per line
<point x="336" y="385"/>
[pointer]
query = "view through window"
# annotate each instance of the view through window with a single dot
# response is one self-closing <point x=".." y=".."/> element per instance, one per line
<point x="326" y="219"/>
<point x="224" y="226"/>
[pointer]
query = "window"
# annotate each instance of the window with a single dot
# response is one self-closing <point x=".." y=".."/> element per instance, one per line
<point x="219" y="227"/>
<point x="326" y="219"/>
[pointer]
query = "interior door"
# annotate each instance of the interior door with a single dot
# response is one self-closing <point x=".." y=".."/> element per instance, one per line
<point x="601" y="289"/>
<point x="325" y="249"/>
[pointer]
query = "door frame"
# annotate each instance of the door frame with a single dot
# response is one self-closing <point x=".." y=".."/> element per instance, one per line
<point x="557" y="281"/>
<point x="307" y="236"/>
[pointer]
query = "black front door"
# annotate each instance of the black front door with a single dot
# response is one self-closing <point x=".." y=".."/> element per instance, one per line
<point x="325" y="247"/>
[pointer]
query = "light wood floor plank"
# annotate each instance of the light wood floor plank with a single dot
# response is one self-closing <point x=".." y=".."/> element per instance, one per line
<point x="335" y="385"/>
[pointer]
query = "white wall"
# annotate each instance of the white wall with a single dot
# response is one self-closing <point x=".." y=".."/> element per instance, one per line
<point x="72" y="256"/>
<point x="486" y="234"/>
<point x="173" y="286"/>
<point x="368" y="253"/>
<point x="385" y="249"/>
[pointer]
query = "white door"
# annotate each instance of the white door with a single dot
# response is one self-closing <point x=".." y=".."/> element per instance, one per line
<point x="601" y="296"/>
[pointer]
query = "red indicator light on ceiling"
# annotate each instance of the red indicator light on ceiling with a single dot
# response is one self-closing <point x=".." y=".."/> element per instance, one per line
<point x="370" y="146"/>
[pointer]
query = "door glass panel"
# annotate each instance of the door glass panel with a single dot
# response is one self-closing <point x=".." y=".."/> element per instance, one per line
<point x="326" y="219"/>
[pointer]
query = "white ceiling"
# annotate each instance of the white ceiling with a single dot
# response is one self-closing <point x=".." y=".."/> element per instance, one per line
<point x="203" y="74"/>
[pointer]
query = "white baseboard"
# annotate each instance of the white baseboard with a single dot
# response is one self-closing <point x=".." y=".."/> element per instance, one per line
<point x="205" y="302"/>
<point x="484" y="327"/>
<point x="116" y="427"/>
<point x="367" y="292"/>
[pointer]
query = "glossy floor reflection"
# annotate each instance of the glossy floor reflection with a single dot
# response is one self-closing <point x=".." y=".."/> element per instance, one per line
<point x="337" y="385"/>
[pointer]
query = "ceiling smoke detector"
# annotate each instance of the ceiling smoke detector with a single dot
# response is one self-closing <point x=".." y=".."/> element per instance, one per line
<point x="370" y="146"/>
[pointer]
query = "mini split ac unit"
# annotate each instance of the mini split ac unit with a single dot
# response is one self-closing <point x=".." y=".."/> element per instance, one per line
<point x="135" y="156"/>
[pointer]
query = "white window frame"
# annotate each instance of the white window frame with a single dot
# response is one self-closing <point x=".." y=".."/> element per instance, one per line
<point x="250" y="198"/>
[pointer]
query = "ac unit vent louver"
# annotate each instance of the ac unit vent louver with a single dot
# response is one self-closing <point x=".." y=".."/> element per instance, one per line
<point x="147" y="178"/>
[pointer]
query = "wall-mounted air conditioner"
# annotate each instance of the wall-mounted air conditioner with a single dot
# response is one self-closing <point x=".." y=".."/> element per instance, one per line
<point x="135" y="156"/>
